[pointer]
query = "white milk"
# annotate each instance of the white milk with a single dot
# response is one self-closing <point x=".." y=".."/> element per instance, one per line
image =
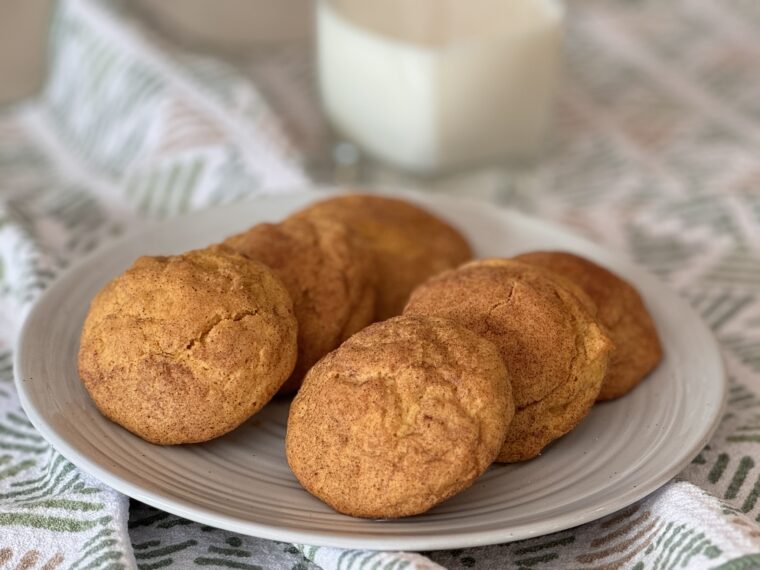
<point x="431" y="85"/>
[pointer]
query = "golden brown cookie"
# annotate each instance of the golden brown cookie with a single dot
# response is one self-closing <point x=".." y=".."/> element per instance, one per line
<point x="329" y="275"/>
<point x="620" y="309"/>
<point x="410" y="244"/>
<point x="405" y="414"/>
<point x="183" y="349"/>
<point x="544" y="328"/>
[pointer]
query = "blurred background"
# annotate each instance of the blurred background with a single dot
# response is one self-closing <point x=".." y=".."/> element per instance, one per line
<point x="497" y="97"/>
<point x="427" y="94"/>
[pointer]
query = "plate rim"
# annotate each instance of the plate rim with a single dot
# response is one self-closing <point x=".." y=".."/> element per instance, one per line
<point x="459" y="539"/>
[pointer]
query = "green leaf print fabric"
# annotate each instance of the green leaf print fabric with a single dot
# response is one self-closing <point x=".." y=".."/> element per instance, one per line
<point x="655" y="153"/>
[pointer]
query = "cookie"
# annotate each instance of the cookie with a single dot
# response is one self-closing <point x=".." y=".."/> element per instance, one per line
<point x="183" y="349"/>
<point x="409" y="244"/>
<point x="620" y="309"/>
<point x="555" y="350"/>
<point x="329" y="275"/>
<point x="405" y="414"/>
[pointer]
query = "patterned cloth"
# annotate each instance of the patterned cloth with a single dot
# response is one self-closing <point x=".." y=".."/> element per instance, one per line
<point x="655" y="154"/>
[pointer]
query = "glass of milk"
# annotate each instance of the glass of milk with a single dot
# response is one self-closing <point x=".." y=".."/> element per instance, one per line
<point x="436" y="85"/>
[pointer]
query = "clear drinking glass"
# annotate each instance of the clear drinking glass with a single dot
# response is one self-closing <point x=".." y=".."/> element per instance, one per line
<point x="431" y="86"/>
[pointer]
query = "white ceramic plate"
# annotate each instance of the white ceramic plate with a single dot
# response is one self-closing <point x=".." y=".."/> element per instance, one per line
<point x="241" y="482"/>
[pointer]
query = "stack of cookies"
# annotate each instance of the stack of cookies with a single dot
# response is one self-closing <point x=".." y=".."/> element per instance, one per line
<point x="185" y="348"/>
<point x="467" y="362"/>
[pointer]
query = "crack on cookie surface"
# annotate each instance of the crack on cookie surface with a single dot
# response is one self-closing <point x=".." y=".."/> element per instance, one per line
<point x="215" y="323"/>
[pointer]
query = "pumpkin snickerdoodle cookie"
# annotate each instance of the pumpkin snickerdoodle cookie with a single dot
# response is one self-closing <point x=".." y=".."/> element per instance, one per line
<point x="544" y="327"/>
<point x="620" y="309"/>
<point x="183" y="349"/>
<point x="409" y="244"/>
<point x="402" y="416"/>
<point x="330" y="277"/>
